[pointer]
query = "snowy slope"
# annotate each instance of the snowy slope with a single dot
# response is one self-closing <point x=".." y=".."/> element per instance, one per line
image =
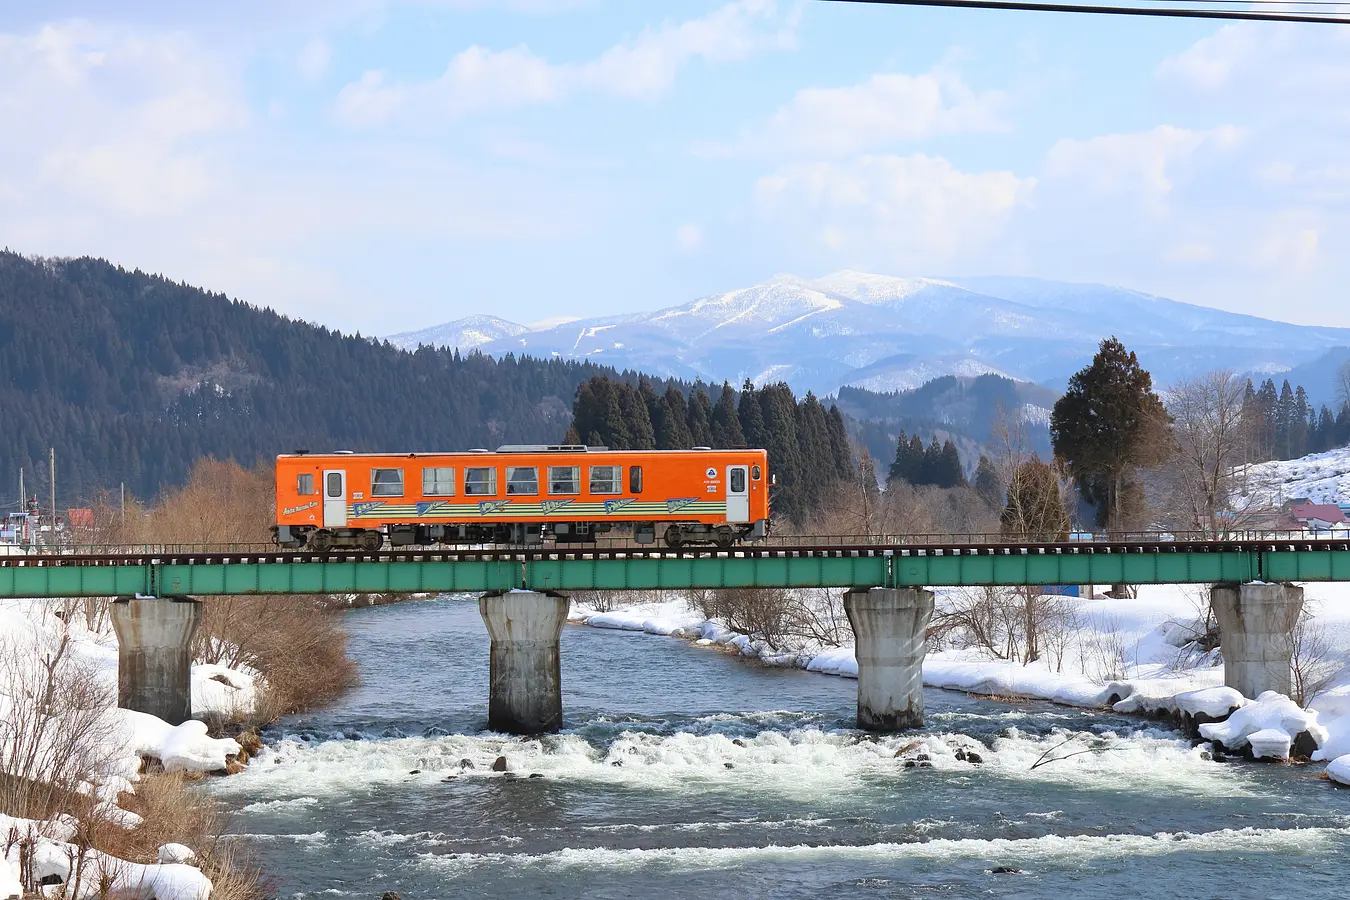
<point x="887" y="333"/>
<point x="1321" y="478"/>
<point x="465" y="334"/>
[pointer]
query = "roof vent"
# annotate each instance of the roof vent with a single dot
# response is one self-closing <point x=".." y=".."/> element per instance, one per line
<point x="702" y="448"/>
<point x="344" y="452"/>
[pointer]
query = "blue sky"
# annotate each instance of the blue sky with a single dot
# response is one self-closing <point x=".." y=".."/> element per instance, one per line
<point x="384" y="166"/>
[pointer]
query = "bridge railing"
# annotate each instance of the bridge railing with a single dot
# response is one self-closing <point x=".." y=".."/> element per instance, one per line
<point x="785" y="540"/>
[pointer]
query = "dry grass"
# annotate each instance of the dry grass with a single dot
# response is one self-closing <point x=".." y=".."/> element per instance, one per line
<point x="175" y="812"/>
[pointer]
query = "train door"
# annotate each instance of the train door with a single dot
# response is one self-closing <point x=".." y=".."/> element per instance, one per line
<point x="334" y="498"/>
<point x="738" y="494"/>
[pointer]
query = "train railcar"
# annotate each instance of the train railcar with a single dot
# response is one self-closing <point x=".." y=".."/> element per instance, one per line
<point x="521" y="495"/>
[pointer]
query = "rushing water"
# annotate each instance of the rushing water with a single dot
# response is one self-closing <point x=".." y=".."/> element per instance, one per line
<point x="684" y="772"/>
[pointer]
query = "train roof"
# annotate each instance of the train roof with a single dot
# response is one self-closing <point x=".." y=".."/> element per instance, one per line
<point x="507" y="449"/>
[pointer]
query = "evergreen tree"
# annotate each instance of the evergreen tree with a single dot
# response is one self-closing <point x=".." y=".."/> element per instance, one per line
<point x="751" y="417"/>
<point x="948" y="472"/>
<point x="840" y="447"/>
<point x="641" y="435"/>
<point x="779" y="413"/>
<point x="1284" y="422"/>
<point x="651" y="402"/>
<point x="906" y="466"/>
<point x="987" y="483"/>
<point x="673" y="428"/>
<point x="700" y="417"/>
<point x="1035" y="510"/>
<point x="1108" y="424"/>
<point x="726" y="422"/>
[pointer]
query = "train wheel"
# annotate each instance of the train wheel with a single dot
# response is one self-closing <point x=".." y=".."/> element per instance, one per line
<point x="674" y="537"/>
<point x="321" y="541"/>
<point x="371" y="541"/>
<point x="724" y="538"/>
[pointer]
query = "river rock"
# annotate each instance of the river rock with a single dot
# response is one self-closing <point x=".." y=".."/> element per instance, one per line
<point x="973" y="757"/>
<point x="499" y="765"/>
<point x="1005" y="870"/>
<point x="466" y="764"/>
<point x="536" y="774"/>
<point x="390" y="895"/>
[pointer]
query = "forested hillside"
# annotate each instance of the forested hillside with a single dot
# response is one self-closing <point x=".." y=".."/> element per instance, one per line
<point x="132" y="378"/>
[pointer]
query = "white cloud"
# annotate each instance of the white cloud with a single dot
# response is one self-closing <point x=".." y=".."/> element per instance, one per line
<point x="480" y="78"/>
<point x="918" y="213"/>
<point x="688" y="237"/>
<point x="1141" y="165"/>
<point x="885" y="109"/>
<point x="314" y="58"/>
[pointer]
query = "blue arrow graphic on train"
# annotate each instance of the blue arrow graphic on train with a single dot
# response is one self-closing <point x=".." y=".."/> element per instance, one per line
<point x="616" y="505"/>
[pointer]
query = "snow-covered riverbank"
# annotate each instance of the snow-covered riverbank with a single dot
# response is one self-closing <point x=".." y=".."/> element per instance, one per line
<point x="1137" y="656"/>
<point x="78" y="740"/>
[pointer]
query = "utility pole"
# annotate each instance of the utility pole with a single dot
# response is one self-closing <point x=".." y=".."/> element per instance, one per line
<point x="124" y="503"/>
<point x="23" y="500"/>
<point x="52" y="458"/>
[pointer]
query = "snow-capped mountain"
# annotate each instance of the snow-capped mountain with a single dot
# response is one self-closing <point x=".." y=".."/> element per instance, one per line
<point x="465" y="334"/>
<point x="888" y="333"/>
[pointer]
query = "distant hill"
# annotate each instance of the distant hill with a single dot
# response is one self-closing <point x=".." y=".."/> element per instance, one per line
<point x="132" y="378"/>
<point x="886" y="333"/>
<point x="462" y="334"/>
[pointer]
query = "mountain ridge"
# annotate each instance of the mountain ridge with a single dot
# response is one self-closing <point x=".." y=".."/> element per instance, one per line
<point x="882" y="332"/>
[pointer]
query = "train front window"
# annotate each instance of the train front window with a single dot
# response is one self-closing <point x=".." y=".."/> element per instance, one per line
<point x="754" y="473"/>
<point x="480" y="482"/>
<point x="386" y="482"/>
<point x="522" y="480"/>
<point x="564" y="479"/>
<point x="438" y="482"/>
<point x="635" y="479"/>
<point x="605" y="479"/>
<point x="304" y="484"/>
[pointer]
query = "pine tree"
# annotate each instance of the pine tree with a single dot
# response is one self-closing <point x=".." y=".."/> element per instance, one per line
<point x="700" y="417"/>
<point x="641" y="435"/>
<point x="1284" y="422"/>
<point x="949" y="473"/>
<point x="1035" y="510"/>
<point x="987" y="483"/>
<point x="1108" y="424"/>
<point x="779" y="413"/>
<point x="726" y="422"/>
<point x="672" y="427"/>
<point x="752" y="417"/>
<point x="840" y="447"/>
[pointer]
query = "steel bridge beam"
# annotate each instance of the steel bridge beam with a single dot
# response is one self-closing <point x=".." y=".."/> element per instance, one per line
<point x="206" y="575"/>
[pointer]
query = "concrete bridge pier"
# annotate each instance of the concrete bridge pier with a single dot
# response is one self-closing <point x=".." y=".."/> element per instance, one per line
<point x="154" y="663"/>
<point x="1256" y="632"/>
<point x="889" y="628"/>
<point x="525" y="687"/>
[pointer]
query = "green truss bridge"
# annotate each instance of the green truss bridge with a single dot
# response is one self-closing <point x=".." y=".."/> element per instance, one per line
<point x="920" y="561"/>
<point x="523" y="599"/>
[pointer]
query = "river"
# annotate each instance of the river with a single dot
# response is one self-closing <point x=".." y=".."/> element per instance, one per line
<point x="684" y="772"/>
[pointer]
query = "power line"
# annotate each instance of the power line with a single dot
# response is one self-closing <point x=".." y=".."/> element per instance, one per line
<point x="1340" y="17"/>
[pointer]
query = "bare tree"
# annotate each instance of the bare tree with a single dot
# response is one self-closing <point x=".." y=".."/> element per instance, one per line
<point x="1343" y="383"/>
<point x="1211" y="439"/>
<point x="1314" y="663"/>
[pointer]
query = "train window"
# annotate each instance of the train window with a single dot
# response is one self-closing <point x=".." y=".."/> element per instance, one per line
<point x="754" y="473"/>
<point x="386" y="482"/>
<point x="480" y="482"/>
<point x="304" y="484"/>
<point x="605" y="479"/>
<point x="737" y="480"/>
<point x="635" y="479"/>
<point x="335" y="484"/>
<point x="564" y="479"/>
<point x="438" y="482"/>
<point x="522" y="480"/>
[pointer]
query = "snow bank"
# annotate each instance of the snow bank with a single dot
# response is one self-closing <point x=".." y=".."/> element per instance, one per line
<point x="1338" y="770"/>
<point x="53" y="854"/>
<point x="1269" y="726"/>
<point x="182" y="748"/>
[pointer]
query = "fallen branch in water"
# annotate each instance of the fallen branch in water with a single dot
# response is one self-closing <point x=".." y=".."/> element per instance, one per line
<point x="1045" y="758"/>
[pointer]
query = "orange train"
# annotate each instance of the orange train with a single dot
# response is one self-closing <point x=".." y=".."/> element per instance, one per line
<point x="521" y="495"/>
